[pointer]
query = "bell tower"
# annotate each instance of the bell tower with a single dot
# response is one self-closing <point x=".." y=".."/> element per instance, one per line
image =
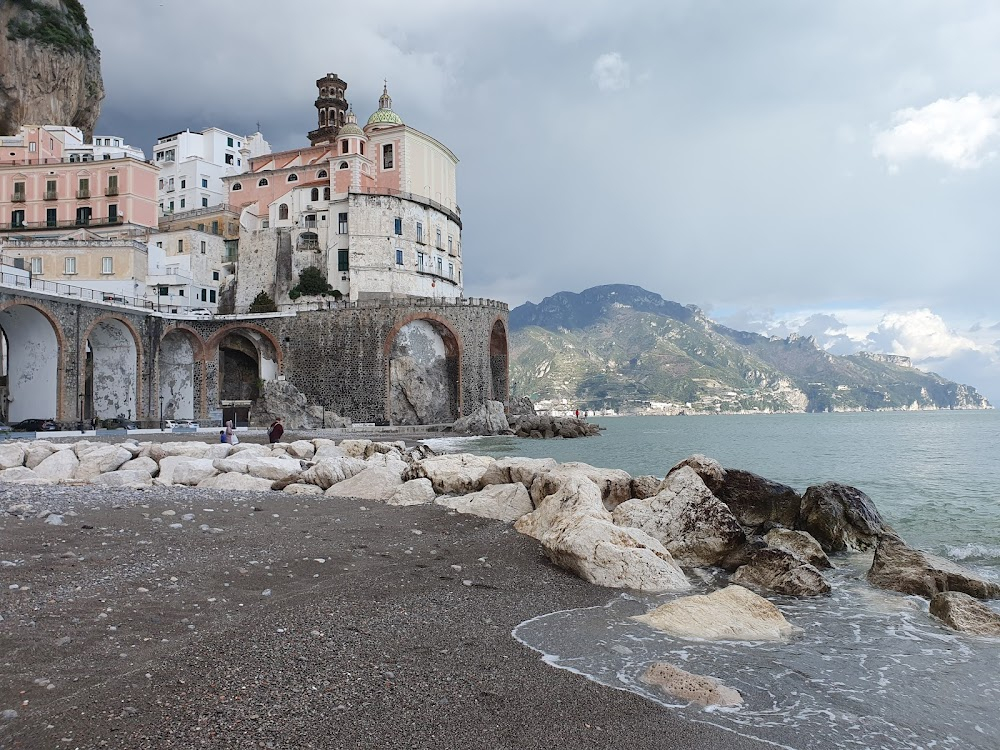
<point x="331" y="108"/>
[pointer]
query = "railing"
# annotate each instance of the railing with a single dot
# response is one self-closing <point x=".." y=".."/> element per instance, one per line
<point x="191" y="213"/>
<point x="66" y="160"/>
<point x="64" y="224"/>
<point x="51" y="195"/>
<point x="35" y="242"/>
<point x="18" y="198"/>
<point x="111" y="191"/>
<point x="83" y="193"/>
<point x="310" y="223"/>
<point x="69" y="290"/>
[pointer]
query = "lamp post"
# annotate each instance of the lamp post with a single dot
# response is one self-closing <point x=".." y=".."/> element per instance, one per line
<point x="80" y="425"/>
<point x="161" y="412"/>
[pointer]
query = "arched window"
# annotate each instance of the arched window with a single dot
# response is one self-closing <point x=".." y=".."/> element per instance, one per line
<point x="293" y="178"/>
<point x="314" y="194"/>
<point x="362" y="145"/>
<point x="283" y="212"/>
<point x="322" y="91"/>
<point x="343" y="165"/>
<point x="236" y="186"/>
<point x="326" y="193"/>
<point x="343" y="146"/>
<point x="321" y="174"/>
<point x="262" y="182"/>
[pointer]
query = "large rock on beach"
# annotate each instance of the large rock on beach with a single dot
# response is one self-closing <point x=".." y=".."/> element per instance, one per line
<point x="326" y="449"/>
<point x="710" y="470"/>
<point x="607" y="555"/>
<point x="732" y="614"/>
<point x="840" y="518"/>
<point x="694" y="688"/>
<point x="329" y="471"/>
<point x="898" y="567"/>
<point x="354" y="448"/>
<point x="374" y="483"/>
<point x="193" y="471"/>
<point x="99" y="459"/>
<point x="538" y="426"/>
<point x="11" y="456"/>
<point x="125" y="478"/>
<point x="781" y="572"/>
<point x="516" y="469"/>
<point x="964" y="613"/>
<point x="59" y="466"/>
<point x="413" y="492"/>
<point x="301" y="449"/>
<point x="452" y="473"/>
<point x="694" y="525"/>
<point x="755" y="500"/>
<point x="504" y="502"/>
<point x="645" y="486"/>
<point x="297" y="488"/>
<point x="142" y="463"/>
<point x="615" y="485"/>
<point x="36" y="452"/>
<point x="235" y="480"/>
<point x="274" y="468"/>
<point x="22" y="475"/>
<point x="574" y="495"/>
<point x="488" y="419"/>
<point x="798" y="543"/>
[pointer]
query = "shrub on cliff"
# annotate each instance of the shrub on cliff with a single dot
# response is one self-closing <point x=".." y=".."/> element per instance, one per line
<point x="66" y="30"/>
<point x="311" y="281"/>
<point x="263" y="303"/>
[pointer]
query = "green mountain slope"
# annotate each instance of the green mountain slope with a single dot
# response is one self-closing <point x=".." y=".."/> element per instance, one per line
<point x="624" y="348"/>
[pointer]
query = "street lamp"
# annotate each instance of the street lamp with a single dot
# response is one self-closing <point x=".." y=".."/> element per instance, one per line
<point x="161" y="412"/>
<point x="80" y="414"/>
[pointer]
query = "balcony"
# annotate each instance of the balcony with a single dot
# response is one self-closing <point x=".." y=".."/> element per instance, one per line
<point x="18" y="198"/>
<point x="51" y="195"/>
<point x="83" y="193"/>
<point x="94" y="221"/>
<point x="111" y="191"/>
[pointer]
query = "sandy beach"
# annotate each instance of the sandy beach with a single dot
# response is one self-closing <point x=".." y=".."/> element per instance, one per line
<point x="181" y="618"/>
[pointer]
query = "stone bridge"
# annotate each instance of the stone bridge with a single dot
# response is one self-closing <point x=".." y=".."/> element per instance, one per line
<point x="406" y="361"/>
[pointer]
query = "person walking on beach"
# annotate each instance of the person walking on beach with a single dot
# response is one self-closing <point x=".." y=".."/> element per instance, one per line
<point x="275" y="431"/>
<point x="231" y="433"/>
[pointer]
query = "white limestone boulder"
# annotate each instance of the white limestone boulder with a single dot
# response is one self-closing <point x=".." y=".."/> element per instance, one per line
<point x="100" y="459"/>
<point x="297" y="488"/>
<point x="189" y="449"/>
<point x="19" y="474"/>
<point x="326" y="449"/>
<point x="142" y="463"/>
<point x="607" y="555"/>
<point x="192" y="472"/>
<point x="414" y="492"/>
<point x="516" y="469"/>
<point x="615" y="485"/>
<point x="60" y="466"/>
<point x="247" y="450"/>
<point x="697" y="527"/>
<point x="374" y="483"/>
<point x="504" y="502"/>
<point x="798" y="543"/>
<point x="694" y="688"/>
<point x="575" y="495"/>
<point x="274" y="468"/>
<point x="301" y="449"/>
<point x="235" y="480"/>
<point x="354" y="448"/>
<point x="452" y="473"/>
<point x="124" y="478"/>
<point x="385" y="459"/>
<point x="328" y="472"/>
<point x="36" y="452"/>
<point x="730" y="614"/>
<point x="11" y="456"/>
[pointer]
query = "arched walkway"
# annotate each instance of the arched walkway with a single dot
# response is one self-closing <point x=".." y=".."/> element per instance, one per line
<point x="179" y="362"/>
<point x="30" y="369"/>
<point x="499" y="373"/>
<point x="112" y="370"/>
<point x="424" y="373"/>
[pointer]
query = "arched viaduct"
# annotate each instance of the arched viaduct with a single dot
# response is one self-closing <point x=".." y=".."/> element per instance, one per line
<point x="398" y="361"/>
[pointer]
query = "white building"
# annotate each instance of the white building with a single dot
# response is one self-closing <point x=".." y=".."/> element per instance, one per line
<point x="186" y="270"/>
<point x="192" y="165"/>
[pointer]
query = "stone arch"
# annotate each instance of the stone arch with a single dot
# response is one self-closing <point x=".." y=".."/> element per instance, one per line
<point x="248" y="354"/>
<point x="180" y="363"/>
<point x="424" y="371"/>
<point x="499" y="362"/>
<point x="112" y="353"/>
<point x="32" y="377"/>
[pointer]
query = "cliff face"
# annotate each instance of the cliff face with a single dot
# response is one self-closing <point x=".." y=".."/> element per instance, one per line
<point x="50" y="70"/>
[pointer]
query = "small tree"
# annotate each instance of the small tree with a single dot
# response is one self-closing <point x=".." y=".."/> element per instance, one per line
<point x="312" y="281"/>
<point x="263" y="303"/>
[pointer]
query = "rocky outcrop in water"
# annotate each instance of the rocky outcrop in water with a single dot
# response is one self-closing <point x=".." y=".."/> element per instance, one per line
<point x="677" y="683"/>
<point x="841" y="518"/>
<point x="898" y="567"/>
<point x="964" y="613"/>
<point x="50" y="70"/>
<point x="536" y="426"/>
<point x="488" y="419"/>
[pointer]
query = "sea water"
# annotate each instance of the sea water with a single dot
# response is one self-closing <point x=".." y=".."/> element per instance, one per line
<point x="871" y="668"/>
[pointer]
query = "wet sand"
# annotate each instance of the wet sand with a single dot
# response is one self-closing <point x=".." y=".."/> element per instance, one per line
<point x="271" y="621"/>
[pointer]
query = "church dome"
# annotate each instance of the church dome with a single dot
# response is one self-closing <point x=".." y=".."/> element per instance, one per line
<point x="384" y="114"/>
<point x="350" y="126"/>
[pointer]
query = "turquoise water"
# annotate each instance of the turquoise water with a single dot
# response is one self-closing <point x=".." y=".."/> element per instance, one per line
<point x="871" y="669"/>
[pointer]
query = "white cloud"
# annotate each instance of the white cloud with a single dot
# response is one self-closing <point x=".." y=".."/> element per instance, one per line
<point x="919" y="334"/>
<point x="960" y="133"/>
<point x="610" y="72"/>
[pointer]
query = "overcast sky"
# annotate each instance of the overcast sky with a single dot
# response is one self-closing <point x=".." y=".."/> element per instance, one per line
<point x="826" y="167"/>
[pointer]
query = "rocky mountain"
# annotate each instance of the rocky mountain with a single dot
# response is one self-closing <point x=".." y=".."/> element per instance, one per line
<point x="625" y="348"/>
<point x="50" y="70"/>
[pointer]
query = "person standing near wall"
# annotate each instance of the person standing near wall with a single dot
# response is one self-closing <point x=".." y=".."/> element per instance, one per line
<point x="275" y="431"/>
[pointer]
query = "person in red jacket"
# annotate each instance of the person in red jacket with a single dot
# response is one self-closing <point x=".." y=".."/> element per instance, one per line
<point x="275" y="431"/>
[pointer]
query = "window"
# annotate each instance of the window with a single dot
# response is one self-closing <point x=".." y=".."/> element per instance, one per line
<point x="326" y="193"/>
<point x="36" y="265"/>
<point x="50" y="217"/>
<point x="204" y="182"/>
<point x="451" y="270"/>
<point x="283" y="212"/>
<point x="215" y="227"/>
<point x="180" y="292"/>
<point x="236" y="186"/>
<point x="161" y="183"/>
<point x="184" y="184"/>
<point x="163" y="291"/>
<point x="229" y="142"/>
<point x="229" y="158"/>
<point x="19" y="191"/>
<point x="399" y="256"/>
<point x="397" y="225"/>
<point x="203" y="247"/>
<point x="17" y="218"/>
<point x="183" y="202"/>
<point x="342" y="260"/>
<point x="171" y="206"/>
<point x="211" y="296"/>
<point x="293" y="178"/>
<point x="262" y="182"/>
<point x="69" y="265"/>
<point x="362" y="145"/>
<point x="170" y="184"/>
<point x="112" y="184"/>
<point x="84" y="188"/>
<point x="83" y="215"/>
<point x="201" y="227"/>
<point x="112" y="212"/>
<point x="159" y="244"/>
<point x="343" y="165"/>
<point x="450" y="244"/>
<point x="387" y="156"/>
<point x="342" y="223"/>
<point x="420" y="261"/>
<point x="204" y="295"/>
<point x="437" y="234"/>
<point x="215" y="276"/>
<point x="420" y="231"/>
<point x="107" y="265"/>
<point x="180" y="246"/>
<point x="50" y="190"/>
<point x="343" y="146"/>
<point x="314" y="194"/>
<point x="32" y="147"/>
<point x="440" y="267"/>
<point x="321" y="174"/>
<point x="204" y="202"/>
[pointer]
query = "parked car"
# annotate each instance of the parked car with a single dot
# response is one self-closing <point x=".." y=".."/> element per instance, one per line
<point x="35" y="425"/>
<point x="118" y="423"/>
<point x="171" y="424"/>
<point x="201" y="312"/>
